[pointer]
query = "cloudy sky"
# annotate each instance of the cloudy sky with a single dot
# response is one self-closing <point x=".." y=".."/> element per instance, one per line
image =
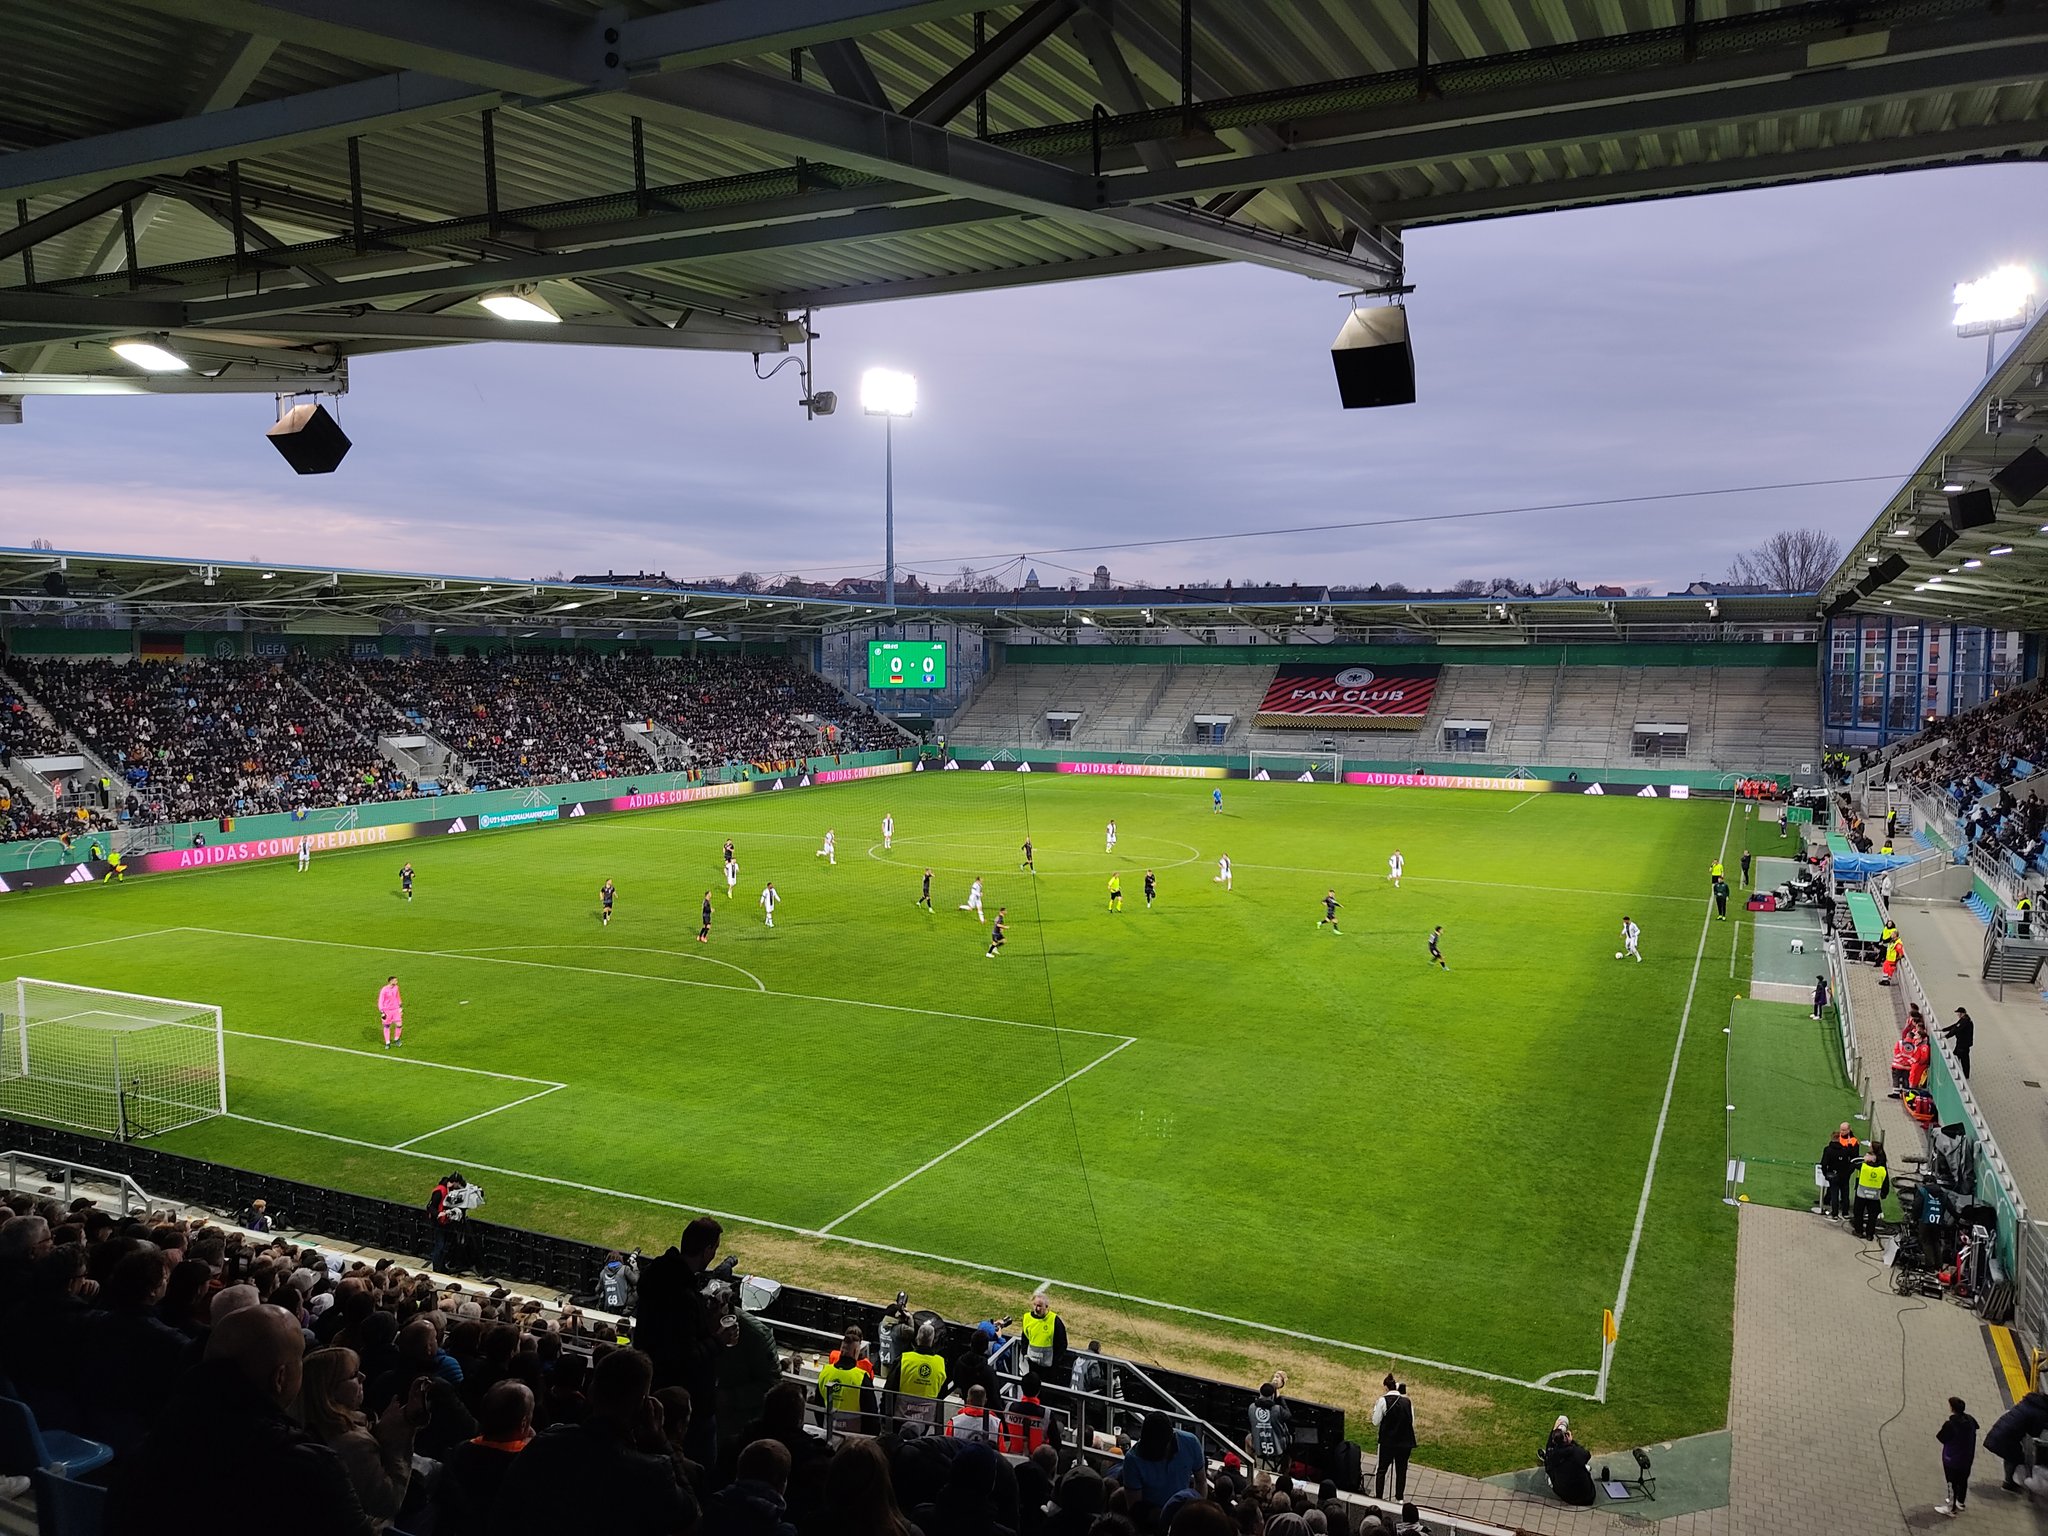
<point x="1751" y="339"/>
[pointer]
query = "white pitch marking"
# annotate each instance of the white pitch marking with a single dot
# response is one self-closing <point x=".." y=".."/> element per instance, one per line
<point x="969" y="1141"/>
<point x="1635" y="1237"/>
<point x="630" y="949"/>
<point x="1524" y="801"/>
<point x="472" y="1120"/>
<point x="672" y="981"/>
<point x="121" y="938"/>
<point x="409" y="1061"/>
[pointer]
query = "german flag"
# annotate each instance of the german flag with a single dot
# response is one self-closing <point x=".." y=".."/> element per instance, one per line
<point x="163" y="648"/>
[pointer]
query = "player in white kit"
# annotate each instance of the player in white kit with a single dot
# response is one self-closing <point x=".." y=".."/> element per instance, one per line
<point x="770" y="900"/>
<point x="973" y="901"/>
<point x="1109" y="838"/>
<point x="826" y="853"/>
<point x="732" y="876"/>
<point x="1223" y="871"/>
<point x="1631" y="936"/>
<point x="1395" y="864"/>
<point x="888" y="830"/>
<point x="305" y="853"/>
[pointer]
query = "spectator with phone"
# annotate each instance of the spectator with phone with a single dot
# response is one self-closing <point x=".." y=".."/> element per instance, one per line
<point x="687" y="1322"/>
<point x="377" y="1457"/>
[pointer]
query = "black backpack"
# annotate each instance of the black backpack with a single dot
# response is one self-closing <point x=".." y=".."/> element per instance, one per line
<point x="1350" y="1467"/>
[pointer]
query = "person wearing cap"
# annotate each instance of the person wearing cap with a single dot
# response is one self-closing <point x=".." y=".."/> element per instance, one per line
<point x="1566" y="1463"/>
<point x="1045" y="1336"/>
<point x="1269" y="1425"/>
<point x="1838" y="1160"/>
<point x="1960" y="1036"/>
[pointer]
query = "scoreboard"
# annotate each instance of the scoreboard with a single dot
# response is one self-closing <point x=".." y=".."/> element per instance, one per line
<point x="906" y="664"/>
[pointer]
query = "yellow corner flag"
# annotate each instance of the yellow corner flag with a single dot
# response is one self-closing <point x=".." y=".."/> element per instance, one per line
<point x="1607" y="1328"/>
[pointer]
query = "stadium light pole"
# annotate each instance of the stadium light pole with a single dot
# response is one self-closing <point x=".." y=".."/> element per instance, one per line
<point x="888" y="393"/>
<point x="1999" y="301"/>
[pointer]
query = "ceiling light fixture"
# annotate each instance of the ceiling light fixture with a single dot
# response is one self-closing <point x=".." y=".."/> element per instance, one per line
<point x="521" y="303"/>
<point x="150" y="357"/>
<point x="1971" y="565"/>
<point x="2000" y="549"/>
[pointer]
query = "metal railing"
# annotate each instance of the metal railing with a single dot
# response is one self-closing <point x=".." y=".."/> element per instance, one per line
<point x="46" y="1171"/>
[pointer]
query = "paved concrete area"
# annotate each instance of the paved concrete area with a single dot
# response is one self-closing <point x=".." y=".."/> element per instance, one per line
<point x="1839" y="1386"/>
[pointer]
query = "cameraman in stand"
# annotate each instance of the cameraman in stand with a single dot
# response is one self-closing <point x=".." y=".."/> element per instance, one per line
<point x="687" y="1318"/>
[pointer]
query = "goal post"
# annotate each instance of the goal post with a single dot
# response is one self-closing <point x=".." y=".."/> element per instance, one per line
<point x="118" y="1064"/>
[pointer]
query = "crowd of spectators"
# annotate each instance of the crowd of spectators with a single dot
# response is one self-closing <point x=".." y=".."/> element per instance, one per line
<point x="1979" y="754"/>
<point x="203" y="738"/>
<point x="550" y="718"/>
<point x="208" y="738"/>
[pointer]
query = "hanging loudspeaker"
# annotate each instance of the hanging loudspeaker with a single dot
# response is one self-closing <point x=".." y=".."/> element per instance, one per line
<point x="1935" y="537"/>
<point x="1970" y="509"/>
<point x="2024" y="478"/>
<point x="311" y="441"/>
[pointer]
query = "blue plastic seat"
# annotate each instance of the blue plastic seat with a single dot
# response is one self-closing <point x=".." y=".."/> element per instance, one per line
<point x="26" y="1447"/>
<point x="68" y="1508"/>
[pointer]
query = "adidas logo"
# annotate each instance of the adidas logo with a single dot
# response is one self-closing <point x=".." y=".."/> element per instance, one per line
<point x="804" y="782"/>
<point x="458" y="825"/>
<point x="776" y="785"/>
<point x="951" y="766"/>
<point x="1262" y="777"/>
<point x="988" y="767"/>
<point x="5" y="887"/>
<point x="80" y="875"/>
<point x="1647" y="792"/>
<point x="576" y="811"/>
<point x="1023" y="767"/>
<point x="1306" y="778"/>
<point x="1595" y="789"/>
<point x="920" y="766"/>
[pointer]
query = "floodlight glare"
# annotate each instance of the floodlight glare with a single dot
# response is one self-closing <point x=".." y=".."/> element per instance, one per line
<point x="888" y="392"/>
<point x="1999" y="296"/>
<point x="150" y="357"/>
<point x="522" y="303"/>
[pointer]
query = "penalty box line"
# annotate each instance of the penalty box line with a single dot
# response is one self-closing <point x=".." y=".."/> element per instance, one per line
<point x="1544" y="1384"/>
<point x="968" y="1141"/>
<point x="675" y="981"/>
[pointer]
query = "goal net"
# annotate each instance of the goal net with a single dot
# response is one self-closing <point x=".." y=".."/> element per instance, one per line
<point x="114" y="1064"/>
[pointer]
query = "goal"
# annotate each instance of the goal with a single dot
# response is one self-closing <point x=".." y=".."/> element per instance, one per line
<point x="113" y="1064"/>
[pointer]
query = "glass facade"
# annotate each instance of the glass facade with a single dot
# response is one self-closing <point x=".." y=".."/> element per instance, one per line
<point x="1887" y="677"/>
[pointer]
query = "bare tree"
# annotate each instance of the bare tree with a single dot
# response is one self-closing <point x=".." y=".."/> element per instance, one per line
<point x="746" y="581"/>
<point x="1791" y="560"/>
<point x="40" y="544"/>
<point x="1638" y="591"/>
<point x="1395" y="589"/>
<point x="1469" y="587"/>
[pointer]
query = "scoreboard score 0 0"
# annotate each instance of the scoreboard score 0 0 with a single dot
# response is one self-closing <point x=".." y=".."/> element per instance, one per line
<point x="906" y="664"/>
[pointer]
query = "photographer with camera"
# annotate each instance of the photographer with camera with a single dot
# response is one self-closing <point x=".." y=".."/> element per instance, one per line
<point x="688" y="1317"/>
<point x="449" y="1206"/>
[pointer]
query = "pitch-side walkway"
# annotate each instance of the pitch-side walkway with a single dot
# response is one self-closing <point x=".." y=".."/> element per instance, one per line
<point x="1839" y="1386"/>
<point x="2009" y="1066"/>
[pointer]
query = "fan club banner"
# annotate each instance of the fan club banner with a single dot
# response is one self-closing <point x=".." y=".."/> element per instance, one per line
<point x="1385" y="698"/>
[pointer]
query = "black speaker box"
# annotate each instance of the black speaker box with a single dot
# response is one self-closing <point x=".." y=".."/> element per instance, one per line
<point x="1890" y="568"/>
<point x="311" y="441"/>
<point x="1374" y="361"/>
<point x="1970" y="509"/>
<point x="2024" y="478"/>
<point x="1935" y="537"/>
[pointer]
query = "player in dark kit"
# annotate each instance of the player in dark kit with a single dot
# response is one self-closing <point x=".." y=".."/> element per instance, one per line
<point x="605" y="893"/>
<point x="728" y="851"/>
<point x="704" y="927"/>
<point x="925" y="898"/>
<point x="1435" y="953"/>
<point x="1151" y="888"/>
<point x="995" y="939"/>
<point x="1027" y="857"/>
<point x="1330" y="906"/>
<point x="405" y="880"/>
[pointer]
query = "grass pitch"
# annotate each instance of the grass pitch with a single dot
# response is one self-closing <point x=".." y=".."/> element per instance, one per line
<point x="1214" y="1106"/>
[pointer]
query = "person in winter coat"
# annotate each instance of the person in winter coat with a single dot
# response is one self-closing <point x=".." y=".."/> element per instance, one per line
<point x="1838" y="1160"/>
<point x="966" y="1505"/>
<point x="1394" y="1416"/>
<point x="1565" y="1463"/>
<point x="618" y="1283"/>
<point x="751" y="1505"/>
<point x="377" y="1457"/>
<point x="1820" y="995"/>
<point x="686" y="1323"/>
<point x="2009" y="1435"/>
<point x="1958" y="1437"/>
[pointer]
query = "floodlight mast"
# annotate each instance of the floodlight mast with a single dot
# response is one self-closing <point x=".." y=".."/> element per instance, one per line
<point x="888" y="393"/>
<point x="1999" y="301"/>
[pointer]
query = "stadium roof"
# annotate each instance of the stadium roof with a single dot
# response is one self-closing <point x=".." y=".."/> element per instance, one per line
<point x="1996" y="573"/>
<point x="279" y="185"/>
<point x="40" y="586"/>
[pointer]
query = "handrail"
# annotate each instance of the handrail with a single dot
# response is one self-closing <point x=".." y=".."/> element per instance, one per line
<point x="120" y="1181"/>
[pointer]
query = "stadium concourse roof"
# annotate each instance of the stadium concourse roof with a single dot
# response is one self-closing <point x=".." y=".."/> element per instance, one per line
<point x="43" y="586"/>
<point x="1995" y="573"/>
<point x="269" y="187"/>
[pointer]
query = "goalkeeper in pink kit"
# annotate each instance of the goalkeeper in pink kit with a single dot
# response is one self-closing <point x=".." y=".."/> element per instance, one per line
<point x="392" y="1008"/>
